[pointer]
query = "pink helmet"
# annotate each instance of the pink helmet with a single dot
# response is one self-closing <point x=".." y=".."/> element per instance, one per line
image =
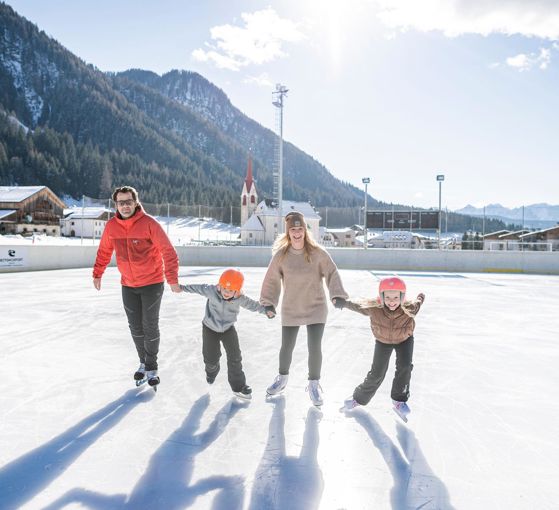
<point x="393" y="283"/>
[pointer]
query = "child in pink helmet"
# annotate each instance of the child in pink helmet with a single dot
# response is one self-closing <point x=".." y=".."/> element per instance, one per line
<point x="393" y="324"/>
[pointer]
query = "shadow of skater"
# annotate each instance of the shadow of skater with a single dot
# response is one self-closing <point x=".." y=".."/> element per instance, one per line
<point x="415" y="484"/>
<point x="283" y="482"/>
<point x="166" y="482"/>
<point x="25" y="477"/>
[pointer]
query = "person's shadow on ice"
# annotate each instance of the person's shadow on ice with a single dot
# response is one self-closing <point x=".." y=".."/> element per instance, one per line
<point x="27" y="476"/>
<point x="166" y="480"/>
<point x="284" y="482"/>
<point x="415" y="484"/>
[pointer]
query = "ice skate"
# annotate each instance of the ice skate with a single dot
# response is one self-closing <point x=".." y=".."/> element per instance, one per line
<point x="153" y="379"/>
<point x="140" y="375"/>
<point x="349" y="404"/>
<point x="401" y="409"/>
<point x="278" y="385"/>
<point x="315" y="392"/>
<point x="245" y="393"/>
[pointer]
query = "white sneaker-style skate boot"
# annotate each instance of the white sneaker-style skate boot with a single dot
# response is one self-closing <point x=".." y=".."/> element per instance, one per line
<point x="153" y="378"/>
<point x="315" y="392"/>
<point x="350" y="404"/>
<point x="279" y="384"/>
<point x="140" y="373"/>
<point x="401" y="409"/>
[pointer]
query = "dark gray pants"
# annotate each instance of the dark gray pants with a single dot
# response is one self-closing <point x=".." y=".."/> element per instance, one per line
<point x="142" y="306"/>
<point x="401" y="383"/>
<point x="314" y="343"/>
<point x="211" y="350"/>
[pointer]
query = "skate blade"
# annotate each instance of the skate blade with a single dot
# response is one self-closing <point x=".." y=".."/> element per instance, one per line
<point x="242" y="396"/>
<point x="401" y="416"/>
<point x="141" y="381"/>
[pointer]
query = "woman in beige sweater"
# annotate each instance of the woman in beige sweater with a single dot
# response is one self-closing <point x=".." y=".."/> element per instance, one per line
<point x="300" y="265"/>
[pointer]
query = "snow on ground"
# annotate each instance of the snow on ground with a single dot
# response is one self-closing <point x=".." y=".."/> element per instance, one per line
<point x="181" y="231"/>
<point x="76" y="433"/>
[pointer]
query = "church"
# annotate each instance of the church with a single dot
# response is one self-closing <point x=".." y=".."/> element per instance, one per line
<point x="259" y="219"/>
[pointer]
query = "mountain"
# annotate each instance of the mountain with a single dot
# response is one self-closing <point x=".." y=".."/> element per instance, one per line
<point x="534" y="216"/>
<point x="177" y="138"/>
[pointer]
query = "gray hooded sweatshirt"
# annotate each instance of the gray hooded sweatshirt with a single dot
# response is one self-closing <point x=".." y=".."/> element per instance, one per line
<point x="222" y="313"/>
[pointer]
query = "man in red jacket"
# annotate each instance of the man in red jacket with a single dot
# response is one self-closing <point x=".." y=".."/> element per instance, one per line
<point x="145" y="257"/>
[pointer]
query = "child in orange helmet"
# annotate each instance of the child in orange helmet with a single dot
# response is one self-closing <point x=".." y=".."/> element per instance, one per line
<point x="393" y="324"/>
<point x="218" y="326"/>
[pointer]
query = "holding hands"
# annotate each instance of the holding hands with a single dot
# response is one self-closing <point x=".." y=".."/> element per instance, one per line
<point x="338" y="302"/>
<point x="270" y="311"/>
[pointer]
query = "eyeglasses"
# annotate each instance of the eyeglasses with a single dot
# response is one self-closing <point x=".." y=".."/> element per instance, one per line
<point x="120" y="203"/>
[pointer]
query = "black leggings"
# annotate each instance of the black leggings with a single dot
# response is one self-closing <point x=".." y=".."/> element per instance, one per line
<point x="314" y="342"/>
<point x="142" y="309"/>
<point x="401" y="383"/>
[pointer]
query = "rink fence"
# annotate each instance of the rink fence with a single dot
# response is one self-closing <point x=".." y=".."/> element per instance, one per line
<point x="14" y="258"/>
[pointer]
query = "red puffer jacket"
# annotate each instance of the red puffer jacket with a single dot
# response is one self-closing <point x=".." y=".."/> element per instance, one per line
<point x="143" y="251"/>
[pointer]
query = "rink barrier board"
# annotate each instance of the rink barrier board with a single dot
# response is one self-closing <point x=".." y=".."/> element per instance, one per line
<point x="16" y="258"/>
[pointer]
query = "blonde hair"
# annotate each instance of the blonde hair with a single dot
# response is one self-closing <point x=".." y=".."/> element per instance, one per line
<point x="368" y="304"/>
<point x="283" y="243"/>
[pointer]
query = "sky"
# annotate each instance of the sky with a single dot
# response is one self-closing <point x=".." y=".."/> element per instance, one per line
<point x="399" y="91"/>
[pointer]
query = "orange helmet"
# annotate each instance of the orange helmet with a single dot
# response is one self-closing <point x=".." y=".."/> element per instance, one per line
<point x="393" y="283"/>
<point x="231" y="279"/>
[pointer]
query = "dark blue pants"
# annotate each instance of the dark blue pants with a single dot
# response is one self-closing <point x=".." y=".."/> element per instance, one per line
<point x="401" y="382"/>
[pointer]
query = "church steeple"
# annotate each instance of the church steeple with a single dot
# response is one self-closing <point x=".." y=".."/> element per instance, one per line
<point x="249" y="197"/>
<point x="248" y="179"/>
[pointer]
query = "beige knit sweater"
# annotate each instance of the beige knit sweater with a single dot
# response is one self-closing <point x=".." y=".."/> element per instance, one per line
<point x="304" y="299"/>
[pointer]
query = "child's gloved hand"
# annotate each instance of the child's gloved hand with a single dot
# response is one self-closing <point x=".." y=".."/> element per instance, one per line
<point x="339" y="302"/>
<point x="421" y="297"/>
<point x="270" y="311"/>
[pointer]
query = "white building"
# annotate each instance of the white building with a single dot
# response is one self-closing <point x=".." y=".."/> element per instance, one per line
<point x="86" y="222"/>
<point x="397" y="239"/>
<point x="341" y="237"/>
<point x="262" y="227"/>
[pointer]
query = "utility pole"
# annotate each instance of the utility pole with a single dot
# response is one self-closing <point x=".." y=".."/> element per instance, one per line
<point x="365" y="181"/>
<point x="440" y="179"/>
<point x="280" y="92"/>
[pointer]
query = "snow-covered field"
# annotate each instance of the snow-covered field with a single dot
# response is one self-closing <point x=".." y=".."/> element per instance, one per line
<point x="76" y="433"/>
<point x="181" y="231"/>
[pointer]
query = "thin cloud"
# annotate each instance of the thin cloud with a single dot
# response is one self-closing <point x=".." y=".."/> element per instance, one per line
<point x="260" y="40"/>
<point x="262" y="80"/>
<point x="484" y="17"/>
<point x="524" y="62"/>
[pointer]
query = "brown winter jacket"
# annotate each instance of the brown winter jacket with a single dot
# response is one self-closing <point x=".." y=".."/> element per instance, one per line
<point x="389" y="327"/>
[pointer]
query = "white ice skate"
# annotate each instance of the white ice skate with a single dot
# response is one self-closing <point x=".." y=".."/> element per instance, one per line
<point x="278" y="385"/>
<point x="350" y="404"/>
<point x="401" y="409"/>
<point x="315" y="392"/>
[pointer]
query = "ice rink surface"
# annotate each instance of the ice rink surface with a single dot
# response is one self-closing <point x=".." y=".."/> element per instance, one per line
<point x="76" y="433"/>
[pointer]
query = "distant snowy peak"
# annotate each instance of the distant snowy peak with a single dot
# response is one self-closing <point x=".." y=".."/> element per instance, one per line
<point x="31" y="72"/>
<point x="543" y="211"/>
<point x="192" y="90"/>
